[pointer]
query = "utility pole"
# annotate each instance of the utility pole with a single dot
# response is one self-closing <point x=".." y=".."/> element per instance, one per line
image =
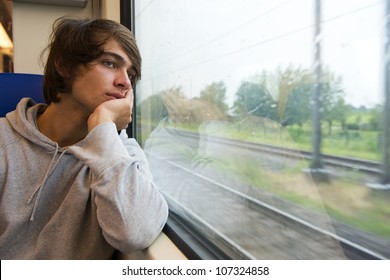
<point x="316" y="140"/>
<point x="317" y="171"/>
<point x="386" y="106"/>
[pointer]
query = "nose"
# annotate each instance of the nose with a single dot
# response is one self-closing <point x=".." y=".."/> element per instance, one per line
<point x="122" y="80"/>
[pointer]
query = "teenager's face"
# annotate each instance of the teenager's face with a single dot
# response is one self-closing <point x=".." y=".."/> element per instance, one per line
<point x="106" y="78"/>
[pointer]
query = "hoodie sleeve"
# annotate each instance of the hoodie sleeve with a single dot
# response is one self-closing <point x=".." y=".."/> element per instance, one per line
<point x="130" y="209"/>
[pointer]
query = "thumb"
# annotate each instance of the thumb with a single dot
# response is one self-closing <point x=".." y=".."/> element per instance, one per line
<point x="129" y="95"/>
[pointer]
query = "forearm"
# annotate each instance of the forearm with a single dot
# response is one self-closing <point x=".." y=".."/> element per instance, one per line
<point x="130" y="209"/>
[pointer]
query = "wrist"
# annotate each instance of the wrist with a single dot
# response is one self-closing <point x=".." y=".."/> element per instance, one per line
<point x="97" y="118"/>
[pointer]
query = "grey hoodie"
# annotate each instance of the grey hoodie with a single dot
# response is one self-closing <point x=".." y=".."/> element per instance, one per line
<point x="82" y="202"/>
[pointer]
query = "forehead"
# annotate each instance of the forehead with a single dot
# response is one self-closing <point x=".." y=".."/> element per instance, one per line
<point x="114" y="49"/>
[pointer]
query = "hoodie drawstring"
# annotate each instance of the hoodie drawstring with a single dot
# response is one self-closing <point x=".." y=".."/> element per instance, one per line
<point x="38" y="189"/>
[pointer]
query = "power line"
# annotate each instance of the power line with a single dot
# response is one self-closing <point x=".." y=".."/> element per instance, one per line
<point x="262" y="42"/>
<point x="223" y="34"/>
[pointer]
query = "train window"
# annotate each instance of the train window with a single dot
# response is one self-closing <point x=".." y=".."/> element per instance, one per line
<point x="265" y="123"/>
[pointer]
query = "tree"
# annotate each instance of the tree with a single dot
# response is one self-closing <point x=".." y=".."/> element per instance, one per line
<point x="254" y="99"/>
<point x="374" y="119"/>
<point x="152" y="110"/>
<point x="333" y="107"/>
<point x="216" y="94"/>
<point x="294" y="96"/>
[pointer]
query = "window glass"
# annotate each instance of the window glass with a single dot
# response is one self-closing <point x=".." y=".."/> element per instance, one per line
<point x="263" y="122"/>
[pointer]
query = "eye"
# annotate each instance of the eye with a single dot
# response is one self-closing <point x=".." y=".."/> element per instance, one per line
<point x="109" y="63"/>
<point x="130" y="74"/>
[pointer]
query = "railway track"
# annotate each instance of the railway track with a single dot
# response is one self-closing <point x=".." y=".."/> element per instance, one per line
<point x="366" y="166"/>
<point x="269" y="233"/>
<point x="234" y="214"/>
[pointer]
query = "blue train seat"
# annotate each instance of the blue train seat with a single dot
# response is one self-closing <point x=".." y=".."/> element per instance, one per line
<point x="15" y="86"/>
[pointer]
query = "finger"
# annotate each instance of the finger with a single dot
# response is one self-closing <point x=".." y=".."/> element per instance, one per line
<point x="130" y="95"/>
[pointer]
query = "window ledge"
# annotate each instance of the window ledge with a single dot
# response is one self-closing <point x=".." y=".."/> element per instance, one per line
<point x="161" y="249"/>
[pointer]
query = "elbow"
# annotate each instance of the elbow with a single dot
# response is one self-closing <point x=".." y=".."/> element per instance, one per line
<point x="140" y="235"/>
<point x="140" y="241"/>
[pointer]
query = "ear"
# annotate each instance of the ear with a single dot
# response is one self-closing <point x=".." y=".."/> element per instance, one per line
<point x="61" y="68"/>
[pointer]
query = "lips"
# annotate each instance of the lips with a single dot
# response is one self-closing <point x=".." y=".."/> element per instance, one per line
<point x="115" y="95"/>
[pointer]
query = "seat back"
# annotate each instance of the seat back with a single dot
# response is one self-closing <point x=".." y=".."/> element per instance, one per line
<point x="15" y="86"/>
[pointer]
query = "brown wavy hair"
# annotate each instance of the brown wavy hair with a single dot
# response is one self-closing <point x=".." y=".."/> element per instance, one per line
<point x="76" y="42"/>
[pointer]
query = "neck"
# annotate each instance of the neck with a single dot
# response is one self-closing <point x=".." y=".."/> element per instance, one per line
<point x="63" y="124"/>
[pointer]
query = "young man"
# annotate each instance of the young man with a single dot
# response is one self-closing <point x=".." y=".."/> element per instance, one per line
<point x="70" y="186"/>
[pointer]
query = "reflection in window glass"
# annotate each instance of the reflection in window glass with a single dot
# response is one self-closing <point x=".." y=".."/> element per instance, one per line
<point x="225" y="114"/>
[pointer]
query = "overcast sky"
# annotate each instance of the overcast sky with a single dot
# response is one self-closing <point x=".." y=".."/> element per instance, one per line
<point x="194" y="43"/>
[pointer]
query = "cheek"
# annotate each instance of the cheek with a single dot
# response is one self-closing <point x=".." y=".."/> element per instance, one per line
<point x="87" y="84"/>
<point x="92" y="85"/>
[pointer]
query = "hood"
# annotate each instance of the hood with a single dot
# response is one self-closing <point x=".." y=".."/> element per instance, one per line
<point x="23" y="120"/>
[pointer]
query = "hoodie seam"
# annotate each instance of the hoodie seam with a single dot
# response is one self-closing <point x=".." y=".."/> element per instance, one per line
<point x="10" y="143"/>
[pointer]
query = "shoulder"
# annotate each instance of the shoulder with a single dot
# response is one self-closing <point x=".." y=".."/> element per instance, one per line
<point x="7" y="134"/>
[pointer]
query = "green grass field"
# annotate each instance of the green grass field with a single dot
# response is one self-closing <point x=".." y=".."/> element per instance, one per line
<point x="344" y="199"/>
